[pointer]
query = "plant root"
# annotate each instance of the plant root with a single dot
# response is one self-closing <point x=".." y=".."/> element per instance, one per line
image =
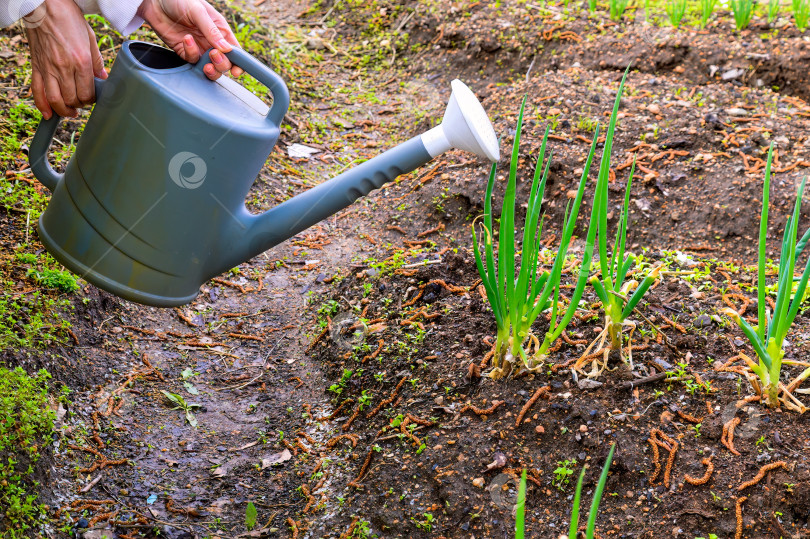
<point x="761" y="474"/>
<point x="786" y="397"/>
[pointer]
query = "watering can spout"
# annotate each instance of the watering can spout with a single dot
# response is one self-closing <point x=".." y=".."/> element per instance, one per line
<point x="465" y="126"/>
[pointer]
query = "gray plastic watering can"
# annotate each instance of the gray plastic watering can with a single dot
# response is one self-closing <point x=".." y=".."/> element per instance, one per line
<point x="152" y="203"/>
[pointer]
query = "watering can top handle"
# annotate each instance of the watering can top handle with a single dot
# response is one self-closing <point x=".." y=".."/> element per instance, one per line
<point x="263" y="74"/>
<point x="38" y="151"/>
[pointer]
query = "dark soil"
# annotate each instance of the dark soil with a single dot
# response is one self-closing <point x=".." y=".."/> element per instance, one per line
<point x="262" y="357"/>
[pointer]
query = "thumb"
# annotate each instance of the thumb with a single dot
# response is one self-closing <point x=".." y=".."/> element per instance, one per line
<point x="98" y="64"/>
<point x="95" y="53"/>
<point x="208" y="28"/>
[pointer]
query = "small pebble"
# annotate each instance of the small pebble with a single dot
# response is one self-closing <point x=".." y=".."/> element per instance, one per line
<point x="702" y="321"/>
<point x="478" y="482"/>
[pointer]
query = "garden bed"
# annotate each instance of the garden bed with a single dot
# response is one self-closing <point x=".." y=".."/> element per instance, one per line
<point x="390" y="433"/>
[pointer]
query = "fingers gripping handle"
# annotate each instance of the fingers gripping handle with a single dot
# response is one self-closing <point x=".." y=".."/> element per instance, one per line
<point x="38" y="152"/>
<point x="263" y="74"/>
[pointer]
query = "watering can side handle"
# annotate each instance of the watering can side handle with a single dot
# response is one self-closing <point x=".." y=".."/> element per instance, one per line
<point x="263" y="74"/>
<point x="38" y="152"/>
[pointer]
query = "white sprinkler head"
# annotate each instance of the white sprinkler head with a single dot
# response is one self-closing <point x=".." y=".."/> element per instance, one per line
<point x="465" y="126"/>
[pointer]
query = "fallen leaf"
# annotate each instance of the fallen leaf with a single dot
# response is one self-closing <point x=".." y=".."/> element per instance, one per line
<point x="276" y="458"/>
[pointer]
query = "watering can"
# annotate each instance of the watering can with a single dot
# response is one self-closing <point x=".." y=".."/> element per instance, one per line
<point x="152" y="202"/>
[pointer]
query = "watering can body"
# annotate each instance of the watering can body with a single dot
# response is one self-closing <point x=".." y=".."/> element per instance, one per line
<point x="151" y="204"/>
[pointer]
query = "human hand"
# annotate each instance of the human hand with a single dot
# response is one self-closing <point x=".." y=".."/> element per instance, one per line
<point x="190" y="27"/>
<point x="64" y="58"/>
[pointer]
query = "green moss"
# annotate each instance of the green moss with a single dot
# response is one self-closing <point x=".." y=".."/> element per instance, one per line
<point x="20" y="122"/>
<point x="26" y="427"/>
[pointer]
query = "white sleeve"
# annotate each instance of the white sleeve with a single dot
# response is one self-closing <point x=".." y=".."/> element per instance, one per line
<point x="121" y="14"/>
<point x="12" y="11"/>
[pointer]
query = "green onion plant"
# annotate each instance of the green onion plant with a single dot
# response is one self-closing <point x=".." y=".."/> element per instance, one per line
<point x="676" y="9"/>
<point x="590" y="532"/>
<point x="768" y="337"/>
<point x="773" y="10"/>
<point x="617" y="9"/>
<point x="591" y="5"/>
<point x="619" y="296"/>
<point x="706" y="10"/>
<point x="520" y="509"/>
<point x="519" y="295"/>
<point x="801" y="13"/>
<point x="743" y="10"/>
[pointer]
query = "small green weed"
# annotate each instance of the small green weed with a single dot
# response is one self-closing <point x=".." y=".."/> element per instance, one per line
<point x="563" y="473"/>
